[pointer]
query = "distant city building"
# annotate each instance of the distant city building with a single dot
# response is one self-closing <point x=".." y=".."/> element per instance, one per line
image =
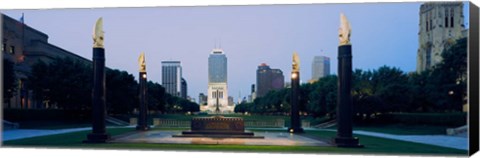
<point x="183" y="92"/>
<point x="217" y="82"/>
<point x="320" y="67"/>
<point x="268" y="79"/>
<point x="202" y="99"/>
<point x="230" y="101"/>
<point x="171" y="77"/>
<point x="26" y="46"/>
<point x="191" y="99"/>
<point x="253" y="94"/>
<point x="441" y="24"/>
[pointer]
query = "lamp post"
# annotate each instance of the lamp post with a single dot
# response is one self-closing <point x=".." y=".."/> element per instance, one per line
<point x="344" y="100"/>
<point x="295" y="125"/>
<point x="142" y="124"/>
<point x="98" y="134"/>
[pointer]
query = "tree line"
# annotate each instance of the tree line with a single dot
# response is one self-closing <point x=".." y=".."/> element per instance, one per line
<point x="442" y="88"/>
<point x="67" y="84"/>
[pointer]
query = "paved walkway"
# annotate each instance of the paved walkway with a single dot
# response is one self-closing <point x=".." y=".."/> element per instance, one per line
<point x="270" y="138"/>
<point x="455" y="142"/>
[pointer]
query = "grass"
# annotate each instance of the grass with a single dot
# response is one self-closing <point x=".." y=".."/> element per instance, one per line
<point x="373" y="145"/>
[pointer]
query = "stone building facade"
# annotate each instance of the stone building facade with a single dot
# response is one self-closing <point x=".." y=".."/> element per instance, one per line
<point x="440" y="25"/>
<point x="25" y="46"/>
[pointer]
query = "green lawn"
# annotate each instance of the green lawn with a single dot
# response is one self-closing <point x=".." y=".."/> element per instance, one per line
<point x="373" y="145"/>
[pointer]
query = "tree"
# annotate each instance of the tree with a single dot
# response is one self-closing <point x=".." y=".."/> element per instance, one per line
<point x="122" y="94"/>
<point x="66" y="83"/>
<point x="323" y="99"/>
<point x="447" y="82"/>
<point x="156" y="99"/>
<point x="9" y="78"/>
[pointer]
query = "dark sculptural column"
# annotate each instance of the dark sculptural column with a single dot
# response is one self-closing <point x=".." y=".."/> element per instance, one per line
<point x="295" y="125"/>
<point x="344" y="100"/>
<point x="98" y="134"/>
<point x="142" y="115"/>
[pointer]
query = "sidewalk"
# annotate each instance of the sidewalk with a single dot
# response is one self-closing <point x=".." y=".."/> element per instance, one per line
<point x="455" y="142"/>
<point x="28" y="133"/>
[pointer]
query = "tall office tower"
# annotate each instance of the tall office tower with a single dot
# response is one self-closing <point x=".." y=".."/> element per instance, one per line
<point x="320" y="67"/>
<point x="268" y="79"/>
<point x="183" y="90"/>
<point x="217" y="82"/>
<point x="171" y="77"/>
<point x="441" y="24"/>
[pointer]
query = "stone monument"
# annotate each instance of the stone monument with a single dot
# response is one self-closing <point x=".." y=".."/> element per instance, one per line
<point x="295" y="125"/>
<point x="217" y="127"/>
<point x="344" y="100"/>
<point x="142" y="115"/>
<point x="99" y="113"/>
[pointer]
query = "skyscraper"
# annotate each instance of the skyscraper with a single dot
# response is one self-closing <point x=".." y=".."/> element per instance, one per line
<point x="268" y="79"/>
<point x="320" y="67"/>
<point x="171" y="77"/>
<point x="217" y="82"/>
<point x="441" y="24"/>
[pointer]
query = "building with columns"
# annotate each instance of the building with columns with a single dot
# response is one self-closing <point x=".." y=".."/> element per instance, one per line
<point x="217" y="83"/>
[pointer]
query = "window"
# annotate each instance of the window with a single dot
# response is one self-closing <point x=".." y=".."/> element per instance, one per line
<point x="12" y="49"/>
<point x="451" y="18"/>
<point x="446" y="21"/>
<point x="427" y="26"/>
<point x="4" y="46"/>
<point x="428" y="55"/>
<point x="446" y="17"/>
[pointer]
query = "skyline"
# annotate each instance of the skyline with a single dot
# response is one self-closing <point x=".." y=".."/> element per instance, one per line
<point x="267" y="34"/>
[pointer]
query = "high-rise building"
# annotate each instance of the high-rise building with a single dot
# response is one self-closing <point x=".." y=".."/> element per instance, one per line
<point x="217" y="82"/>
<point x="320" y="67"/>
<point x="441" y="24"/>
<point x="183" y="91"/>
<point x="268" y="79"/>
<point x="171" y="77"/>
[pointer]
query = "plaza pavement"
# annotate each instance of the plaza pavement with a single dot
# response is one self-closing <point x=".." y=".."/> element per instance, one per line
<point x="456" y="142"/>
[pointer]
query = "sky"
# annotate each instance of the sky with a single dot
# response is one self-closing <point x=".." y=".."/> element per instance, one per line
<point x="382" y="34"/>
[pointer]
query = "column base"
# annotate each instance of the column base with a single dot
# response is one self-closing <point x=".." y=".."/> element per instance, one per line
<point x="347" y="142"/>
<point x="295" y="130"/>
<point x="142" y="128"/>
<point x="97" y="138"/>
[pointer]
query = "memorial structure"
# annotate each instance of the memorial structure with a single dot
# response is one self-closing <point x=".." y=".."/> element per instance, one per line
<point x="99" y="113"/>
<point x="344" y="100"/>
<point x="295" y="125"/>
<point x="218" y="126"/>
<point x="142" y="115"/>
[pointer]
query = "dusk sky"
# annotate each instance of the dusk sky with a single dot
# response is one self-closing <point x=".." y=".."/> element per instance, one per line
<point x="382" y="34"/>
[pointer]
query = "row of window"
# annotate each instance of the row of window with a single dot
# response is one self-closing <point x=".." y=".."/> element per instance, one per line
<point x="448" y="16"/>
<point x="218" y="94"/>
<point x="11" y="50"/>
